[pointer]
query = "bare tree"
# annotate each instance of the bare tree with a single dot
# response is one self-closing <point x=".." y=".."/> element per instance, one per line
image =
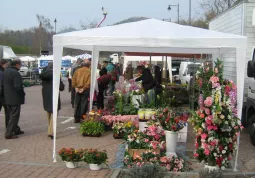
<point x="88" y="25"/>
<point x="67" y="29"/>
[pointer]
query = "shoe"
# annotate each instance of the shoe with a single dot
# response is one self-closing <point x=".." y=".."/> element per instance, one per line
<point x="75" y="121"/>
<point x="51" y="136"/>
<point x="20" y="132"/>
<point x="11" y="137"/>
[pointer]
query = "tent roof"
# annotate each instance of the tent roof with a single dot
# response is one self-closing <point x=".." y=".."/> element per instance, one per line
<point x="148" y="33"/>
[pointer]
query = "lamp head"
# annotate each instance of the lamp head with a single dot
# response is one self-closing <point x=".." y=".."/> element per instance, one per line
<point x="55" y="20"/>
<point x="169" y="7"/>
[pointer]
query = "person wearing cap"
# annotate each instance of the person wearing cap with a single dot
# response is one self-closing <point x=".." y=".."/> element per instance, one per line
<point x="81" y="83"/>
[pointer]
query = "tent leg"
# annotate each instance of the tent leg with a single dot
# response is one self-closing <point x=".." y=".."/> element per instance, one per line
<point x="240" y="56"/>
<point x="94" y="63"/>
<point x="57" y="54"/>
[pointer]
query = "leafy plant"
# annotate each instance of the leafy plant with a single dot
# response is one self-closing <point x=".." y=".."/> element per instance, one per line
<point x="92" y="128"/>
<point x="145" y="171"/>
<point x="93" y="156"/>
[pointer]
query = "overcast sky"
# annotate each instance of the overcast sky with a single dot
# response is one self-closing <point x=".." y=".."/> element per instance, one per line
<point x="20" y="14"/>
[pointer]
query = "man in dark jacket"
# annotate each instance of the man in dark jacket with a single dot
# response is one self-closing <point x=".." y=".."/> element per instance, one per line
<point x="14" y="97"/>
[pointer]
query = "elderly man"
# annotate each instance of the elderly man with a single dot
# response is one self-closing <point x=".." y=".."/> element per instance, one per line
<point x="74" y="67"/>
<point x="81" y="83"/>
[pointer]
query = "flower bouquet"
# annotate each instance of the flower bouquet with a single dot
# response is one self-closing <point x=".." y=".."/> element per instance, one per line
<point x="216" y="124"/>
<point x="95" y="158"/>
<point x="110" y="119"/>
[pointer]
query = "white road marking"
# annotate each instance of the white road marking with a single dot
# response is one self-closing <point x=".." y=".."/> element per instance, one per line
<point x="70" y="128"/>
<point x="68" y="120"/>
<point x="4" y="151"/>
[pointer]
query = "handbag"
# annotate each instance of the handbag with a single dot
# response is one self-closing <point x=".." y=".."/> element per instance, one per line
<point x="61" y="86"/>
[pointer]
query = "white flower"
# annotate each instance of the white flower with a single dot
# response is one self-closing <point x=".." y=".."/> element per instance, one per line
<point x="223" y="151"/>
<point x="137" y="141"/>
<point x="223" y="168"/>
<point x="223" y="161"/>
<point x="215" y="154"/>
<point x="203" y="125"/>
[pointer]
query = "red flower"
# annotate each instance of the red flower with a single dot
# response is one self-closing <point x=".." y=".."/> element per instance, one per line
<point x="220" y="147"/>
<point x="230" y="146"/>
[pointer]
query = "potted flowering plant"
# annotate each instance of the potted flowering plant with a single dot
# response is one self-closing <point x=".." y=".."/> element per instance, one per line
<point x="70" y="156"/>
<point x="121" y="129"/>
<point x="216" y="124"/>
<point x="95" y="158"/>
<point x="108" y="120"/>
<point x="92" y="128"/>
<point x="172" y="121"/>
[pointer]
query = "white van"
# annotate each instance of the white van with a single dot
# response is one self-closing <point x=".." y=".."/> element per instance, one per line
<point x="185" y="70"/>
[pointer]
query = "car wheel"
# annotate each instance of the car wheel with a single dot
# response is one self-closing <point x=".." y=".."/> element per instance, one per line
<point x="251" y="127"/>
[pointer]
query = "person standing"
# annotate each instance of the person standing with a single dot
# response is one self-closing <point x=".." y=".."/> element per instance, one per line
<point x="129" y="72"/>
<point x="111" y="71"/>
<point x="103" y="82"/>
<point x="3" y="66"/>
<point x="14" y="97"/>
<point x="81" y="83"/>
<point x="47" y="95"/>
<point x="75" y="66"/>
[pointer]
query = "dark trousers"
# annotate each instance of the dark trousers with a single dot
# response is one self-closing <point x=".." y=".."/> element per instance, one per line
<point x="14" y="114"/>
<point x="100" y="99"/>
<point x="81" y="105"/>
<point x="72" y="96"/>
<point x="6" y="113"/>
<point x="69" y="85"/>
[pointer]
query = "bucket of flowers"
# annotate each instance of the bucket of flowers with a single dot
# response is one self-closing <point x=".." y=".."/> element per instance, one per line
<point x="172" y="121"/>
<point x="95" y="159"/>
<point x="71" y="156"/>
<point x="121" y="129"/>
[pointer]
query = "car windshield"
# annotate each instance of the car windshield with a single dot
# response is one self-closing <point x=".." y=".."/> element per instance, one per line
<point x="193" y="68"/>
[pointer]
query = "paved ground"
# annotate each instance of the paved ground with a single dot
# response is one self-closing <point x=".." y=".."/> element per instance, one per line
<point x="31" y="154"/>
<point x="34" y="148"/>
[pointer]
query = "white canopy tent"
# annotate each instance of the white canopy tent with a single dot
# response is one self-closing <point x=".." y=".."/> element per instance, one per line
<point x="27" y="59"/>
<point x="153" y="36"/>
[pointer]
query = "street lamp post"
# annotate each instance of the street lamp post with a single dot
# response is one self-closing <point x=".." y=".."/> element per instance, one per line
<point x="55" y="21"/>
<point x="178" y="10"/>
<point x="105" y="14"/>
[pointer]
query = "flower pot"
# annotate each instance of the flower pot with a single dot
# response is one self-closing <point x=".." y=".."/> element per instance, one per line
<point x="95" y="167"/>
<point x="134" y="100"/>
<point x="211" y="168"/>
<point x="142" y="125"/>
<point x="70" y="165"/>
<point x="171" y="142"/>
<point x="147" y="114"/>
<point x="87" y="135"/>
<point x="141" y="113"/>
<point x="118" y="136"/>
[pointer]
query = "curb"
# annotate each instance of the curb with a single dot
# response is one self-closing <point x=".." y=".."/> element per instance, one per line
<point x="115" y="173"/>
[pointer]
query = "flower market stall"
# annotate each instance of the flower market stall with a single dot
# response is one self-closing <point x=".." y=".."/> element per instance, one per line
<point x="151" y="36"/>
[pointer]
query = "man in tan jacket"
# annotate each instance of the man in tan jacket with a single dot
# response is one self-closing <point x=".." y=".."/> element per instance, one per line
<point x="81" y="83"/>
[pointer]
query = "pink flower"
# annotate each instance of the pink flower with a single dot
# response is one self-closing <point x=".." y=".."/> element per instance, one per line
<point x="157" y="137"/>
<point x="208" y="121"/>
<point x="207" y="111"/>
<point x="154" y="144"/>
<point x="206" y="152"/>
<point x="215" y="85"/>
<point x="208" y="102"/>
<point x="146" y="140"/>
<point x="209" y="128"/>
<point x="168" y="167"/>
<point x="214" y="79"/>
<point x="215" y="128"/>
<point x="204" y="136"/>
<point x="196" y="145"/>
<point x="163" y="159"/>
<point x="196" y="155"/>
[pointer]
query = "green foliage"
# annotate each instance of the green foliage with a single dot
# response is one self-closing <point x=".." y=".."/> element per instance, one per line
<point x="71" y="155"/>
<point x="146" y="171"/>
<point x="26" y="83"/>
<point x="92" y="128"/>
<point x="124" y="107"/>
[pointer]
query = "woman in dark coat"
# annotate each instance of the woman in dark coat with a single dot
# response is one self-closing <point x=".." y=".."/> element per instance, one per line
<point x="47" y="94"/>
